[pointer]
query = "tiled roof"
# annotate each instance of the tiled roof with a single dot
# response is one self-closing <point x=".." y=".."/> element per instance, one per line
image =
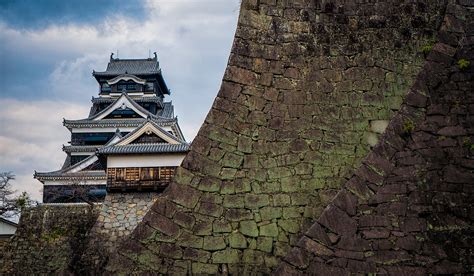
<point x="131" y="66"/>
<point x="152" y="99"/>
<point x="145" y="148"/>
<point x="167" y="111"/>
<point x="130" y="100"/>
<point x="64" y="174"/>
<point x="83" y="175"/>
<point x="115" y="122"/>
<point x="157" y="126"/>
<point x="80" y="148"/>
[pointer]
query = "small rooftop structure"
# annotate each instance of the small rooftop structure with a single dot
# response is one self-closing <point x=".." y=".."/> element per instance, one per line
<point x="7" y="229"/>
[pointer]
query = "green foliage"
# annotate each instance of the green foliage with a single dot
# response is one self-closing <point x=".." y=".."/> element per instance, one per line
<point x="23" y="200"/>
<point x="54" y="235"/>
<point x="427" y="49"/>
<point x="10" y="203"/>
<point x="463" y="64"/>
<point x="467" y="143"/>
<point x="408" y="126"/>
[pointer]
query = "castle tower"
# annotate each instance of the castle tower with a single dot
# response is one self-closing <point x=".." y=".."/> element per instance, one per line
<point x="131" y="132"/>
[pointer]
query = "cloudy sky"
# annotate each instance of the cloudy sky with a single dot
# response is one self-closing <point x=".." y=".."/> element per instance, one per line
<point x="49" y="48"/>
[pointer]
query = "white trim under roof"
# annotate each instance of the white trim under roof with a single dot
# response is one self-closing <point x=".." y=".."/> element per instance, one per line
<point x="111" y="129"/>
<point x="149" y="128"/>
<point x="126" y="77"/>
<point x="82" y="165"/>
<point x="87" y="153"/>
<point x="66" y="182"/>
<point x="122" y="102"/>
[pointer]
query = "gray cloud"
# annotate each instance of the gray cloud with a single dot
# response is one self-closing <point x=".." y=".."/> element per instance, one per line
<point x="192" y="38"/>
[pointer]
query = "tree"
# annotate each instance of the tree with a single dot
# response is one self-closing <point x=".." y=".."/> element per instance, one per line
<point x="11" y="204"/>
<point x="76" y="190"/>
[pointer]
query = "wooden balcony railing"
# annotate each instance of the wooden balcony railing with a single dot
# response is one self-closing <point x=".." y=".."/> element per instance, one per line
<point x="139" y="179"/>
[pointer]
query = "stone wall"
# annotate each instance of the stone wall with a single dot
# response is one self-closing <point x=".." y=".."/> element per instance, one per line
<point x="120" y="214"/>
<point x="407" y="210"/>
<point x="50" y="239"/>
<point x="308" y="89"/>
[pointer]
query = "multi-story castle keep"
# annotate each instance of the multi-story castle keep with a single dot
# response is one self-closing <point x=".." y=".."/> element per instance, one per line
<point x="131" y="139"/>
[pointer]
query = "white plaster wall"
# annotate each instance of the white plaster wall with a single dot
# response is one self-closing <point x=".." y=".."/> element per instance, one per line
<point x="7" y="229"/>
<point x="83" y="182"/>
<point x="165" y="160"/>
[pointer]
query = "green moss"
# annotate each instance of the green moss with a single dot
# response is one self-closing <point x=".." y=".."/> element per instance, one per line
<point x="468" y="144"/>
<point x="463" y="64"/>
<point x="427" y="48"/>
<point x="408" y="126"/>
<point x="54" y="235"/>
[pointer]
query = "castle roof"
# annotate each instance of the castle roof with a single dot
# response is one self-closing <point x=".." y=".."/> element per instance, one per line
<point x="116" y="66"/>
<point x="135" y="67"/>
<point x="125" y="145"/>
<point x="145" y="148"/>
<point x="76" y="171"/>
<point x="164" y="116"/>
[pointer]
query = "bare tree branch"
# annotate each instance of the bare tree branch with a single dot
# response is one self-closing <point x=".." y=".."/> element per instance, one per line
<point x="11" y="204"/>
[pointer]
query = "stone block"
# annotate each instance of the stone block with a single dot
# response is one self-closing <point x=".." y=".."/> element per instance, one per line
<point x="300" y="199"/>
<point x="237" y="240"/>
<point x="317" y="233"/>
<point x="209" y="185"/>
<point x="227" y="256"/>
<point x="292" y="212"/>
<point x="189" y="240"/>
<point x="210" y="209"/>
<point x="202" y="268"/>
<point x="249" y="228"/>
<point x="221" y="226"/>
<point x="314" y="247"/>
<point x="376" y="233"/>
<point x="203" y="228"/>
<point x="238" y="214"/>
<point x="184" y="219"/>
<point x="213" y="243"/>
<point x="346" y="202"/>
<point x="253" y="201"/>
<point x="265" y="244"/>
<point x="163" y="224"/>
<point x="197" y="255"/>
<point x="373" y="221"/>
<point x="281" y="200"/>
<point x="251" y="256"/>
<point x="171" y="251"/>
<point x="270" y="230"/>
<point x="233" y="201"/>
<point x="269" y="213"/>
<point x="338" y="221"/>
<point x="298" y="258"/>
<point x="184" y="195"/>
<point x="289" y="225"/>
<point x="320" y="268"/>
<point x="290" y="184"/>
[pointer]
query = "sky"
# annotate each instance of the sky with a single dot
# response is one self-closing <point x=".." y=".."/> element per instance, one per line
<point x="49" y="48"/>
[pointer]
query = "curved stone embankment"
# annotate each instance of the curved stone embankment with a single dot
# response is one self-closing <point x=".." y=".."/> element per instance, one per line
<point x="407" y="210"/>
<point x="309" y="88"/>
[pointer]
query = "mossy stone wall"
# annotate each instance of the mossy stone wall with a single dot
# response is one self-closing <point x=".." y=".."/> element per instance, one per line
<point x="306" y="87"/>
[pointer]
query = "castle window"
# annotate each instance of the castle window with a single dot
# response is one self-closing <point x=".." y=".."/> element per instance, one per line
<point x="127" y="87"/>
<point x="150" y="86"/>
<point x="105" y="87"/>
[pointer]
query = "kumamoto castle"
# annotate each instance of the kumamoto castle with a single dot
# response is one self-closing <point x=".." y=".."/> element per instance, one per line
<point x="130" y="141"/>
<point x="341" y="142"/>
